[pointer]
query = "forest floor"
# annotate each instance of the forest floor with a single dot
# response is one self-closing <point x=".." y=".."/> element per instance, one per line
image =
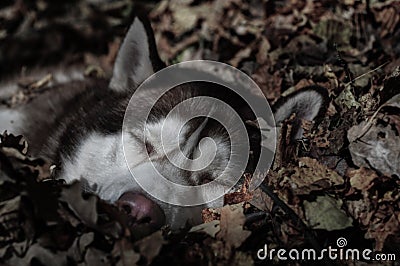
<point x="339" y="188"/>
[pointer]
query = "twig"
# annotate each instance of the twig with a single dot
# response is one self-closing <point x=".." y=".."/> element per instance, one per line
<point x="344" y="64"/>
<point x="293" y="216"/>
<point x="366" y="73"/>
<point x="365" y="129"/>
<point x="254" y="217"/>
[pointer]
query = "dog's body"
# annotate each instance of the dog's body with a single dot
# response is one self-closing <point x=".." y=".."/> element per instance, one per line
<point x="77" y="125"/>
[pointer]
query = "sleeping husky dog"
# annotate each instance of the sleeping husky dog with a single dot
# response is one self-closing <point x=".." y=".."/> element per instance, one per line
<point x="77" y="125"/>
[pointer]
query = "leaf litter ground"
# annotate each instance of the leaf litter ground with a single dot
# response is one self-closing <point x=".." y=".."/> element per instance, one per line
<point x="342" y="180"/>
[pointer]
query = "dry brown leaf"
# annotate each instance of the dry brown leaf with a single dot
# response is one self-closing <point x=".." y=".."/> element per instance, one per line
<point x="261" y="200"/>
<point x="42" y="82"/>
<point x="9" y="223"/>
<point x="239" y="56"/>
<point x="151" y="245"/>
<point x="362" y="178"/>
<point x="392" y="102"/>
<point x="389" y="17"/>
<point x="96" y="257"/>
<point x="311" y="175"/>
<point x="41" y="255"/>
<point x="85" y="209"/>
<point x="80" y="245"/>
<point x="263" y="49"/>
<point x="346" y="99"/>
<point x="242" y="259"/>
<point x="210" y="214"/>
<point x="210" y="228"/>
<point x="123" y="249"/>
<point x="326" y="213"/>
<point x="395" y="121"/>
<point x="379" y="148"/>
<point x="16" y="148"/>
<point x="391" y="197"/>
<point x="184" y="20"/>
<point x="382" y="229"/>
<point x="242" y="195"/>
<point x="361" y="210"/>
<point x="232" y="221"/>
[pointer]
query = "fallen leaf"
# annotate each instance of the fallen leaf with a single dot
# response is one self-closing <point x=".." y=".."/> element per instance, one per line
<point x="150" y="246"/>
<point x="382" y="230"/>
<point x="10" y="220"/>
<point x="311" y="175"/>
<point x="243" y="194"/>
<point x="210" y="228"/>
<point x="80" y="245"/>
<point x="85" y="209"/>
<point x="40" y="255"/>
<point x="346" y="99"/>
<point x="232" y="221"/>
<point x="361" y="210"/>
<point x="242" y="259"/>
<point x="393" y="102"/>
<point x="362" y="178"/>
<point x="261" y="200"/>
<point x="209" y="214"/>
<point x="123" y="250"/>
<point x="378" y="148"/>
<point x="96" y="257"/>
<point x="325" y="213"/>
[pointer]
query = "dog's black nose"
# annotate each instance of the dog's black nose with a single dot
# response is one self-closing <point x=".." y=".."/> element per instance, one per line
<point x="145" y="216"/>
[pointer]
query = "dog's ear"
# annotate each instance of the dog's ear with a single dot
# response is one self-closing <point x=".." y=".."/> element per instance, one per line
<point x="308" y="103"/>
<point x="137" y="58"/>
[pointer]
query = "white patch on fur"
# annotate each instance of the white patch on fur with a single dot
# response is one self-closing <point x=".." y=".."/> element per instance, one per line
<point x="62" y="77"/>
<point x="10" y="120"/>
<point x="100" y="160"/>
<point x="305" y="104"/>
<point x="214" y="152"/>
<point x="7" y="90"/>
<point x="173" y="132"/>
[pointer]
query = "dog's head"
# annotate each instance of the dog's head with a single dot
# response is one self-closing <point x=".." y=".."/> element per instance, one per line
<point x="187" y="151"/>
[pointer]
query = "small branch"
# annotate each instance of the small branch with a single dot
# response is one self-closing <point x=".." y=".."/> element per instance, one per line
<point x="344" y="64"/>
<point x="293" y="216"/>
<point x="373" y="70"/>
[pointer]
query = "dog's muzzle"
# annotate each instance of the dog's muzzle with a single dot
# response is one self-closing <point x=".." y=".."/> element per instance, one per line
<point x="144" y="215"/>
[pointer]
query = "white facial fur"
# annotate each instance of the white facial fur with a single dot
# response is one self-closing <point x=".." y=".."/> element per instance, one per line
<point x="100" y="159"/>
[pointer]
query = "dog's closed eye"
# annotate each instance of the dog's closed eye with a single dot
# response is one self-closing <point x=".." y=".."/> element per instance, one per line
<point x="205" y="178"/>
<point x="149" y="148"/>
